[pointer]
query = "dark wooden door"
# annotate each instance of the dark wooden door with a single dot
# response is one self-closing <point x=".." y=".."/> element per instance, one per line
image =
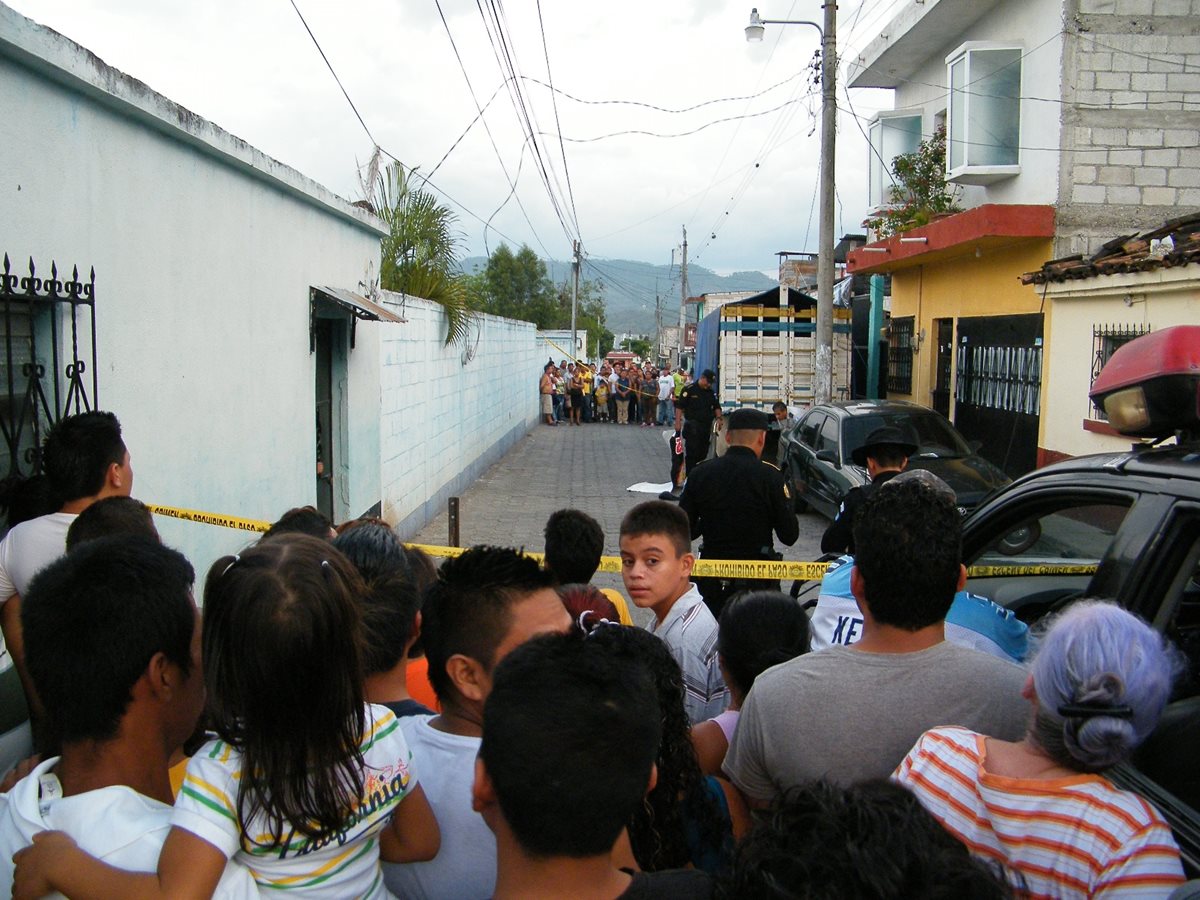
<point x="944" y="365"/>
<point x="324" y="334"/>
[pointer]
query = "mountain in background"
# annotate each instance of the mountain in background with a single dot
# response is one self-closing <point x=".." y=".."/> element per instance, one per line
<point x="629" y="288"/>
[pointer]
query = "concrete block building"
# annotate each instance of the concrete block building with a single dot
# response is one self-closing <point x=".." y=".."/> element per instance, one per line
<point x="1068" y="122"/>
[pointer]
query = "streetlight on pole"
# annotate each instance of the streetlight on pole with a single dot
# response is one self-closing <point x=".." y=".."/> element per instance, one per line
<point x="823" y="367"/>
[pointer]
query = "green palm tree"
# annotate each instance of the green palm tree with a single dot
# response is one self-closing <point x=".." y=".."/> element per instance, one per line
<point x="420" y="254"/>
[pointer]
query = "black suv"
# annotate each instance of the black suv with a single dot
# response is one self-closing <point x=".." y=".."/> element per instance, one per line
<point x="1126" y="527"/>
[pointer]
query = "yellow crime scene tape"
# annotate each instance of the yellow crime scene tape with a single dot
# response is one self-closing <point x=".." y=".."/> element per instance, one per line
<point x="766" y="570"/>
<point x="713" y="568"/>
<point x="566" y="353"/>
<point x="1031" y="569"/>
<point x="208" y="518"/>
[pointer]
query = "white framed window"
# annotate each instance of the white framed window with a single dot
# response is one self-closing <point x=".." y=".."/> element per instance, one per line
<point x="984" y="130"/>
<point x="892" y="134"/>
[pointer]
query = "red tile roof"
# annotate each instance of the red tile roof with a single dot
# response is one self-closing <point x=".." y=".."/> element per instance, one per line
<point x="1174" y="243"/>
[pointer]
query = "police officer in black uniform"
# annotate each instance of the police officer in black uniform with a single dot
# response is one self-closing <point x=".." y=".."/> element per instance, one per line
<point x="884" y="455"/>
<point x="695" y="409"/>
<point x="735" y="502"/>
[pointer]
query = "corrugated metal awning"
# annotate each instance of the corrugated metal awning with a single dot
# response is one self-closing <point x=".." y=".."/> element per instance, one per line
<point x="360" y="307"/>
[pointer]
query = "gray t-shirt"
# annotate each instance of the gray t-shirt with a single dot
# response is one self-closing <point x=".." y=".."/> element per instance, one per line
<point x="847" y="715"/>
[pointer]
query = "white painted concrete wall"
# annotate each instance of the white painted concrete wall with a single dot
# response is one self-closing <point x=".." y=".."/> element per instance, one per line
<point x="1035" y="26"/>
<point x="446" y="417"/>
<point x="204" y="251"/>
<point x="1158" y="300"/>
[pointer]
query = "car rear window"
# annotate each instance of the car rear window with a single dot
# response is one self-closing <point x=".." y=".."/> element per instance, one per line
<point x="933" y="434"/>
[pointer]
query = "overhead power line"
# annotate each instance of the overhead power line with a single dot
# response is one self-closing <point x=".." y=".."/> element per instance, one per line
<point x="1134" y="104"/>
<point x="495" y="25"/>
<point x="557" y="125"/>
<point x="664" y="109"/>
<point x="1184" y="146"/>
<point x="609" y="102"/>
<point x="412" y="171"/>
<point x="706" y="125"/>
<point x="500" y="159"/>
<point x="750" y="166"/>
<point x="332" y="72"/>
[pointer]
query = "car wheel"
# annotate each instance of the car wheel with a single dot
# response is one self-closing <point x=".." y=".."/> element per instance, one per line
<point x="1020" y="539"/>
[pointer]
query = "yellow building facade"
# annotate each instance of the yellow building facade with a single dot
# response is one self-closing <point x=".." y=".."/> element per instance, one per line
<point x="967" y="337"/>
<point x="946" y="290"/>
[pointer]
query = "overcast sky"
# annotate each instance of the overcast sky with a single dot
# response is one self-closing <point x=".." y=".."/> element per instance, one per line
<point x="250" y="67"/>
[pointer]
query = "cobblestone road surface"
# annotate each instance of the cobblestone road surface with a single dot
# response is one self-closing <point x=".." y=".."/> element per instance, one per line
<point x="586" y="467"/>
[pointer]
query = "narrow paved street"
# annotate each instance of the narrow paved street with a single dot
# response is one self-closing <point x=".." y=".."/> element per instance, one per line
<point x="587" y="467"/>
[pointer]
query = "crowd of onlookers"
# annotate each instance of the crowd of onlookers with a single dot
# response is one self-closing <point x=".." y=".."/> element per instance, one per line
<point x="341" y="717"/>
<point x="620" y="392"/>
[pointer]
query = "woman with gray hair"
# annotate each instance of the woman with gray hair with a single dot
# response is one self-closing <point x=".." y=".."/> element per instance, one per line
<point x="1097" y="685"/>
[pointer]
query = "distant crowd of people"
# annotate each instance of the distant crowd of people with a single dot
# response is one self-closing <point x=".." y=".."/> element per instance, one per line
<point x="624" y="392"/>
<point x="341" y="717"/>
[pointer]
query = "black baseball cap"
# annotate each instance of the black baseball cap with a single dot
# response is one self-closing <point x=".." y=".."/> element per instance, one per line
<point x="748" y="420"/>
<point x="709" y="374"/>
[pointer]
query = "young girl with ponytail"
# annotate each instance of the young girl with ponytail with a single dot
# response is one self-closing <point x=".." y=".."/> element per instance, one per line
<point x="304" y="784"/>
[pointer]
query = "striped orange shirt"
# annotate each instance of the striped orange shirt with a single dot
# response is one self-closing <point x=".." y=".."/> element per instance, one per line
<point x="1067" y="837"/>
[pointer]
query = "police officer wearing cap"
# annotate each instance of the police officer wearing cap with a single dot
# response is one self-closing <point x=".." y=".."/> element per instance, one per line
<point x="735" y="502"/>
<point x="694" y="412"/>
<point x="884" y="455"/>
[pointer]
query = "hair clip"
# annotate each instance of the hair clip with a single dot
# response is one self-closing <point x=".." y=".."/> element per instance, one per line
<point x="232" y="562"/>
<point x="325" y="565"/>
<point x="597" y="622"/>
<point x="1090" y="710"/>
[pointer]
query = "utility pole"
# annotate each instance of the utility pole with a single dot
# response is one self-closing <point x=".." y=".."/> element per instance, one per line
<point x="658" y="335"/>
<point x="575" y="301"/>
<point x="683" y="294"/>
<point x="823" y="365"/>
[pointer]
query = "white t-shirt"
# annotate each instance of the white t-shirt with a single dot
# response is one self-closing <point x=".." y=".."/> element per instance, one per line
<point x="465" y="867"/>
<point x="115" y="824"/>
<point x="29" y="548"/>
<point x="666" y="386"/>
<point x="343" y="865"/>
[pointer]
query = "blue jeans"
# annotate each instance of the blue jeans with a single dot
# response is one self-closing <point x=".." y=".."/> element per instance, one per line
<point x="665" y="416"/>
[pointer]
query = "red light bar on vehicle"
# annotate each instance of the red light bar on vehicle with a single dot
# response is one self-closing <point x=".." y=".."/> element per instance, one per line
<point x="1151" y="386"/>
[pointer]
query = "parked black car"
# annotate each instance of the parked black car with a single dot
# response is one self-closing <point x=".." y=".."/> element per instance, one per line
<point x="816" y="453"/>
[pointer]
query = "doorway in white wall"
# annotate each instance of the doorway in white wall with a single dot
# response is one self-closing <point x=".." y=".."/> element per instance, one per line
<point x="329" y="348"/>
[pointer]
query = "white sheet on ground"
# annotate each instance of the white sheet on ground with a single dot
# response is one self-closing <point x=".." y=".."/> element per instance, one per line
<point x="646" y="487"/>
